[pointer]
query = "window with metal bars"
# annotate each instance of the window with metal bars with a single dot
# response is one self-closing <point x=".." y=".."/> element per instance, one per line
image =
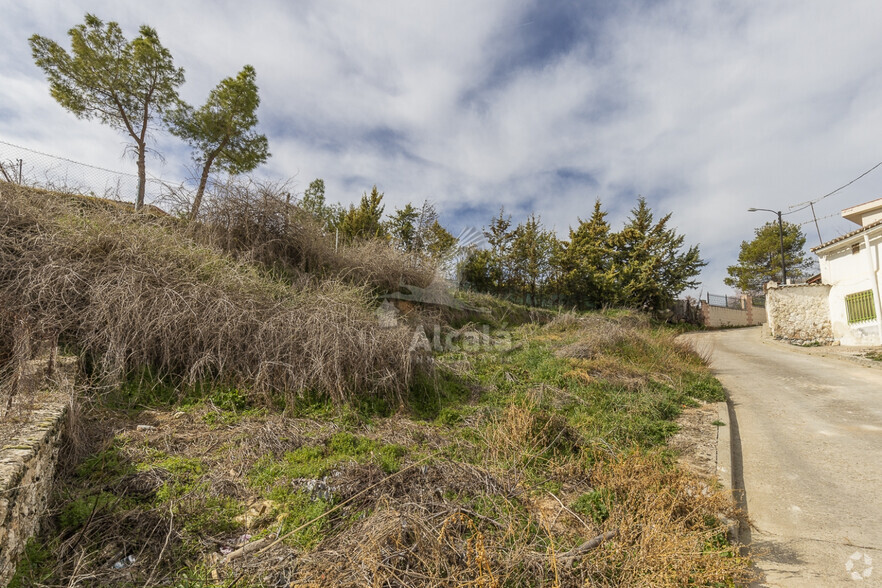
<point x="860" y="307"/>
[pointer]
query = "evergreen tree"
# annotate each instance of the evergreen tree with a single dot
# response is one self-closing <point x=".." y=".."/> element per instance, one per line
<point x="530" y="258"/>
<point x="441" y="244"/>
<point x="402" y="226"/>
<point x="499" y="238"/>
<point x="475" y="270"/>
<point x="314" y="203"/>
<point x="759" y="260"/>
<point x="649" y="263"/>
<point x="363" y="221"/>
<point x="222" y="130"/>
<point x="127" y="85"/>
<point x="585" y="262"/>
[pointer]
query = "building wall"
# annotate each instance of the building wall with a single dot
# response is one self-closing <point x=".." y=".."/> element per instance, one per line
<point x="800" y="313"/>
<point x="717" y="316"/>
<point x="847" y="273"/>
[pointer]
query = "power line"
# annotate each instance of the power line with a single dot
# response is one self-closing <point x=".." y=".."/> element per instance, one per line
<point x="808" y="203"/>
<point x="808" y="222"/>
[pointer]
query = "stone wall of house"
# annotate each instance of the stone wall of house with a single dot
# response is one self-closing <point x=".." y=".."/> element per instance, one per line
<point x="29" y="447"/>
<point x="800" y="313"/>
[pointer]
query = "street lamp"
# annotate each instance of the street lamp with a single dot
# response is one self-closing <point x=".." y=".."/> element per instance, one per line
<point x="780" y="234"/>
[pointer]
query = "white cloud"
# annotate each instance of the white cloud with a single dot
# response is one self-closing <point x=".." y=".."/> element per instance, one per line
<point x="705" y="108"/>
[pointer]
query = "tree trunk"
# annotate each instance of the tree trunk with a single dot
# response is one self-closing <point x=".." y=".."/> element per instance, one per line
<point x="142" y="176"/>
<point x="197" y="202"/>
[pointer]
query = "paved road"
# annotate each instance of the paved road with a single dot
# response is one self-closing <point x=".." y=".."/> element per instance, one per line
<point x="810" y="430"/>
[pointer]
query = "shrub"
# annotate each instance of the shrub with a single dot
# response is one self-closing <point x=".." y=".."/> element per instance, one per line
<point x="133" y="291"/>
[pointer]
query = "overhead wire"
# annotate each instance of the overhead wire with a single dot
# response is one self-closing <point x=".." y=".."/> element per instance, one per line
<point x="807" y="203"/>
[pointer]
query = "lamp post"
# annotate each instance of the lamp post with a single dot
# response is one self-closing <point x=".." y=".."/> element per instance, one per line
<point x="781" y="235"/>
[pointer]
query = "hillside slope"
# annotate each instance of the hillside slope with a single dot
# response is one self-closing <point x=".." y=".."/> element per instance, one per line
<point x="248" y="419"/>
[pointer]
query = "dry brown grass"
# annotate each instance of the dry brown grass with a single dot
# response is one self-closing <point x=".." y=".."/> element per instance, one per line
<point x="259" y="222"/>
<point x="133" y="291"/>
<point x="598" y="334"/>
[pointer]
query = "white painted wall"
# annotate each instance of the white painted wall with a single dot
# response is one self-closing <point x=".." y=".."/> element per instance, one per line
<point x="849" y="273"/>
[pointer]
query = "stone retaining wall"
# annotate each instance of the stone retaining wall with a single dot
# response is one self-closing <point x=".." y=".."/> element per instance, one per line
<point x="800" y="313"/>
<point x="30" y="441"/>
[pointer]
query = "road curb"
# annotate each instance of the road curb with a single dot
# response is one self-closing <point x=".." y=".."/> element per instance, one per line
<point x="725" y="473"/>
<point x="724" y="446"/>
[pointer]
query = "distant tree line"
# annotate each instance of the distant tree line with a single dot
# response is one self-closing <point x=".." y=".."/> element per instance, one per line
<point x="645" y="265"/>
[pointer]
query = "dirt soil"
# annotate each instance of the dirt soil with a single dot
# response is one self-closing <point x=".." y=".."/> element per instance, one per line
<point x="696" y="441"/>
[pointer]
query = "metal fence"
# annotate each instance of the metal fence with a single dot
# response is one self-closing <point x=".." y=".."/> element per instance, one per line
<point x="28" y="167"/>
<point x="724" y="301"/>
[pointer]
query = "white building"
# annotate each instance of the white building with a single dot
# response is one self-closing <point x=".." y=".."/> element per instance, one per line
<point x="850" y="265"/>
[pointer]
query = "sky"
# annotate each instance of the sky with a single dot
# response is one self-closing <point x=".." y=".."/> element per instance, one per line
<point x="705" y="108"/>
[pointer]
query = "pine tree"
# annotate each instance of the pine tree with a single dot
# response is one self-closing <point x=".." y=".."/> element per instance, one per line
<point x="363" y="221"/>
<point x="402" y="226"/>
<point x="530" y="258"/>
<point x="314" y="203"/>
<point x="127" y="85"/>
<point x="649" y="265"/>
<point x="221" y="131"/>
<point x="499" y="238"/>
<point x="585" y="262"/>
<point x="759" y="260"/>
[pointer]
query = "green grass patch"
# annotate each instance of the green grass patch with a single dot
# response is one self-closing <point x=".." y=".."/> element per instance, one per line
<point x="703" y="386"/>
<point x="595" y="505"/>
<point x="315" y="461"/>
<point x="295" y="509"/>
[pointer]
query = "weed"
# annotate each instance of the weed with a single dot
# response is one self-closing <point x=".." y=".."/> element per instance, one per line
<point x="79" y="510"/>
<point x="595" y="505"/>
<point x="106" y="465"/>
<point x="313" y="462"/>
<point x="295" y="508"/>
<point x="33" y="568"/>
<point x="703" y="386"/>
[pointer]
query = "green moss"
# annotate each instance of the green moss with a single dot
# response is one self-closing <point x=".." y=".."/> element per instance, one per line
<point x="185" y="474"/>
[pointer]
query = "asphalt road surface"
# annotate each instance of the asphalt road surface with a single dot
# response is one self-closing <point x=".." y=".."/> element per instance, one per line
<point x="807" y="454"/>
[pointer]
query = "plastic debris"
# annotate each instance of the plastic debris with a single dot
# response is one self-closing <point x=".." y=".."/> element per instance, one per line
<point x="124" y="562"/>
